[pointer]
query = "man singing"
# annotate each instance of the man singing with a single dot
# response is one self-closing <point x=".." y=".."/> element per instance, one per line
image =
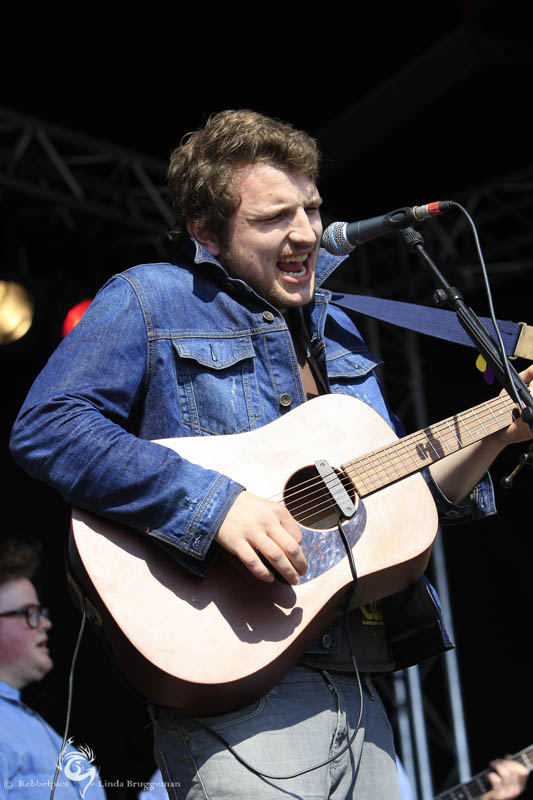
<point x="232" y="333"/>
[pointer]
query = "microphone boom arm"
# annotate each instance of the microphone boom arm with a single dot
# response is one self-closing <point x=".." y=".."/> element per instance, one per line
<point x="471" y="324"/>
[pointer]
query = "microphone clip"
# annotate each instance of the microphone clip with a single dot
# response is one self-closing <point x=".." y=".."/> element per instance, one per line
<point x="526" y="460"/>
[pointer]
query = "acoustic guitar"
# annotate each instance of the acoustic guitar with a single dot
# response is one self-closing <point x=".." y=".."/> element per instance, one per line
<point x="210" y="645"/>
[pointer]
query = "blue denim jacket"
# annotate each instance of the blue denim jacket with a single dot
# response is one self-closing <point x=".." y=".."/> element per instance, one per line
<point x="168" y="350"/>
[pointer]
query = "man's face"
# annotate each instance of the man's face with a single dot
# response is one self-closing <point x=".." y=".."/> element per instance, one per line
<point x="273" y="237"/>
<point x="24" y="655"/>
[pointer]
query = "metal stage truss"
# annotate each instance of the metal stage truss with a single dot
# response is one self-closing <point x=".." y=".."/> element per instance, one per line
<point x="76" y="174"/>
<point x="47" y="170"/>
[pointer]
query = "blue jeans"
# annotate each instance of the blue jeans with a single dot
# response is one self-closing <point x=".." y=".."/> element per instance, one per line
<point x="302" y="722"/>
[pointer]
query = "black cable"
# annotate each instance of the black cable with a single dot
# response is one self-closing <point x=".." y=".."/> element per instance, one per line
<point x="257" y="772"/>
<point x="490" y="302"/>
<point x="70" y="695"/>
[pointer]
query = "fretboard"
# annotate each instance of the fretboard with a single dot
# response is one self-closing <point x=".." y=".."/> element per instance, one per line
<point x="479" y="784"/>
<point x="412" y="453"/>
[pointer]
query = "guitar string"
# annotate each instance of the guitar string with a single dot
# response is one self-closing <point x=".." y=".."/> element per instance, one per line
<point x="442" y="430"/>
<point x="420" y="443"/>
<point x="395" y="448"/>
<point x="318" y="501"/>
<point x="406" y="444"/>
<point x="439" y="433"/>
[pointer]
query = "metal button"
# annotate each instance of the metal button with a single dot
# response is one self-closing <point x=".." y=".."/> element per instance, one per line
<point x="285" y="400"/>
<point x="327" y="641"/>
<point x="268" y="316"/>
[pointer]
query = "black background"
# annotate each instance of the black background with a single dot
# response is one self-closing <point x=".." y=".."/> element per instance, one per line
<point x="142" y="83"/>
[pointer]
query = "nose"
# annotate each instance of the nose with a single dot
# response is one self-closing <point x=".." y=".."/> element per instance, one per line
<point x="45" y="623"/>
<point x="305" y="229"/>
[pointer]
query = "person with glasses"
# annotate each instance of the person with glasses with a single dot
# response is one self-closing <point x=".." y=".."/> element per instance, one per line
<point x="29" y="747"/>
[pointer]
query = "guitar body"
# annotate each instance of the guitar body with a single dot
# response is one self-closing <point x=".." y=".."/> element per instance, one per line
<point x="210" y="645"/>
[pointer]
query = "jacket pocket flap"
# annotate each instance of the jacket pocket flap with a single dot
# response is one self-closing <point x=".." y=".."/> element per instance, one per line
<point x="215" y="353"/>
<point x="345" y="364"/>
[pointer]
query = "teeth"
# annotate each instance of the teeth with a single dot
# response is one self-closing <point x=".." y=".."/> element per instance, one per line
<point x="294" y="259"/>
<point x="288" y="259"/>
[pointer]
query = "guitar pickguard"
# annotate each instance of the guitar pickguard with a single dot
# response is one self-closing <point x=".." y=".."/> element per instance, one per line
<point x="324" y="548"/>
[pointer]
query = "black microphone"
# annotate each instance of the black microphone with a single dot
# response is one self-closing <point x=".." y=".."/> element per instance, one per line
<point x="341" y="238"/>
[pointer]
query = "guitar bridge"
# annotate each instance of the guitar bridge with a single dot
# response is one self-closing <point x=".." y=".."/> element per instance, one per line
<point x="335" y="488"/>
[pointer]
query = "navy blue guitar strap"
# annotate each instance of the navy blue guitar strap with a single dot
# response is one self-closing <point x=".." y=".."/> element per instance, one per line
<point x="517" y="337"/>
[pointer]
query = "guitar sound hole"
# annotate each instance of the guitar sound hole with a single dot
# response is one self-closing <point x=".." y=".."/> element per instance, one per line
<point x="309" y="500"/>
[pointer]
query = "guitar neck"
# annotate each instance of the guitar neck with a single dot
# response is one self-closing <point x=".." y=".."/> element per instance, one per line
<point x="412" y="453"/>
<point x="479" y="784"/>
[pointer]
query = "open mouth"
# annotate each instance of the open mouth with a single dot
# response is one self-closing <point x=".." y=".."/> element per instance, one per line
<point x="294" y="266"/>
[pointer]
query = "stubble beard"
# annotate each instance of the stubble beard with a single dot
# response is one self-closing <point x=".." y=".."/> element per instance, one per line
<point x="238" y="267"/>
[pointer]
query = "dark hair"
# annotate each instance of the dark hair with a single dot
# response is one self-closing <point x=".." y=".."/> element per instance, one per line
<point x="19" y="558"/>
<point x="202" y="169"/>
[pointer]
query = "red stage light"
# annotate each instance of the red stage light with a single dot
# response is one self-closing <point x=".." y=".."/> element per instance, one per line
<point x="74" y="315"/>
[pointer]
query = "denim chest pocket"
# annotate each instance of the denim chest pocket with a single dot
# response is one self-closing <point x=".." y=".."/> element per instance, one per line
<point x="347" y="365"/>
<point x="217" y="385"/>
<point x="353" y="373"/>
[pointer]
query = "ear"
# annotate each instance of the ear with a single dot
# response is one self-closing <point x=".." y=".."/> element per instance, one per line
<point x="205" y="238"/>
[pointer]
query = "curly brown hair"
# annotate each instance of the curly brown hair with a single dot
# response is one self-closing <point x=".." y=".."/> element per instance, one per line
<point x="202" y="168"/>
<point x="19" y="558"/>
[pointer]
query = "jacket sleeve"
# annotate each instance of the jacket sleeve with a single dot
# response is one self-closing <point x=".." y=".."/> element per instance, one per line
<point x="478" y="504"/>
<point x="76" y="431"/>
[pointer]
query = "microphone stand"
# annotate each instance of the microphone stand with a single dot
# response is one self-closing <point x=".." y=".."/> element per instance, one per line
<point x="471" y="324"/>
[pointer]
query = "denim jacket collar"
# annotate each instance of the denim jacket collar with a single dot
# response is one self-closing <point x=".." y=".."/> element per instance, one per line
<point x="326" y="263"/>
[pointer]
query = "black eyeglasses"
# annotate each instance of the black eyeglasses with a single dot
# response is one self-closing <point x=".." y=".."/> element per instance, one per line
<point x="33" y="614"/>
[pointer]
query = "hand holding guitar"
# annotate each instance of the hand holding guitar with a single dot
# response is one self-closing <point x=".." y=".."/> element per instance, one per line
<point x="519" y="431"/>
<point x="507" y="778"/>
<point x="353" y="438"/>
<point x="458" y="474"/>
<point x="254" y="525"/>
